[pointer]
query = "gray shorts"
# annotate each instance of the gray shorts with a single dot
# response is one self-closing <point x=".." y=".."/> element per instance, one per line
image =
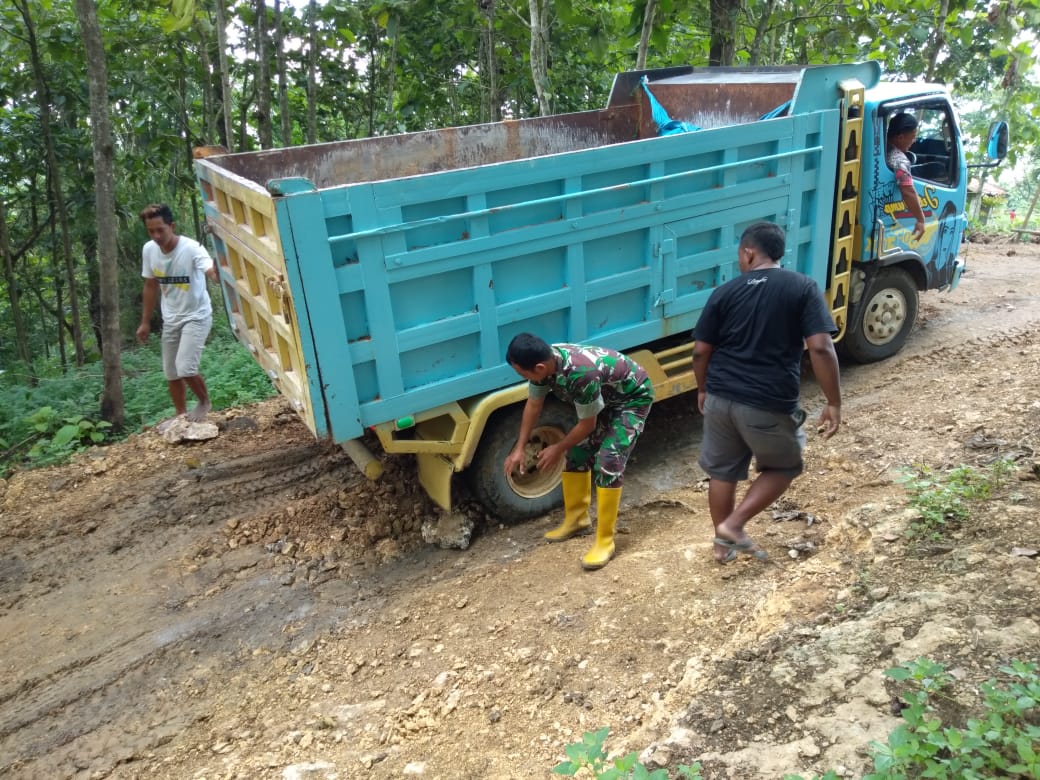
<point x="182" y="347"/>
<point x="734" y="432"/>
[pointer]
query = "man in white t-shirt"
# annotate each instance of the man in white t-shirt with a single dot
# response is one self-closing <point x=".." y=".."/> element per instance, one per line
<point x="175" y="269"/>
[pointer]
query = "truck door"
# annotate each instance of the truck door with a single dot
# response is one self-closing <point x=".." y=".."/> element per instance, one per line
<point x="940" y="178"/>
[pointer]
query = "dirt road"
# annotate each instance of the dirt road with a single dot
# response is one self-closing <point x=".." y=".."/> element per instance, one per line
<point x="252" y="607"/>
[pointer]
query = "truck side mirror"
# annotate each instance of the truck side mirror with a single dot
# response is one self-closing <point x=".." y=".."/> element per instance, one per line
<point x="997" y="146"/>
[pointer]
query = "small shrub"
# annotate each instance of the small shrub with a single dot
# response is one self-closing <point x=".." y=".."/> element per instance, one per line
<point x="63" y="436"/>
<point x="233" y="377"/>
<point x="590" y="753"/>
<point x="943" y="501"/>
<point x="45" y="419"/>
<point x="1001" y="741"/>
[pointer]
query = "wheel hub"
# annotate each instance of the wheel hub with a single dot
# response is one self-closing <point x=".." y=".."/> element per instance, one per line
<point x="885" y="316"/>
<point x="534" y="483"/>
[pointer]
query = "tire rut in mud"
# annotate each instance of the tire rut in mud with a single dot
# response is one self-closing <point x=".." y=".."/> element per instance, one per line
<point x="75" y="683"/>
<point x="124" y="520"/>
<point x="1023" y="336"/>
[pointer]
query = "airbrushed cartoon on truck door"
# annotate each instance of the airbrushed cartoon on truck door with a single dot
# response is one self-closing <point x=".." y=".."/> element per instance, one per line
<point x="378" y="281"/>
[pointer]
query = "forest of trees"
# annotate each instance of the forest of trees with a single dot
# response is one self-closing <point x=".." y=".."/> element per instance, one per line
<point x="102" y="102"/>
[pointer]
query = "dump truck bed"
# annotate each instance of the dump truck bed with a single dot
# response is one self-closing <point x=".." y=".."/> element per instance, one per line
<point x="377" y="278"/>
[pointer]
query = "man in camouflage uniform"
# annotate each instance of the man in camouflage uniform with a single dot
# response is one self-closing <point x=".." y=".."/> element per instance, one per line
<point x="612" y="395"/>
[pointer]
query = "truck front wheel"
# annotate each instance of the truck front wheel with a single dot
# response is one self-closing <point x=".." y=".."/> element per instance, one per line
<point x="881" y="321"/>
<point x="519" y="497"/>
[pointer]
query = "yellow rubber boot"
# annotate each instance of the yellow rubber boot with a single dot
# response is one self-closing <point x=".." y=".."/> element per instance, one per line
<point x="577" y="495"/>
<point x="607" y="502"/>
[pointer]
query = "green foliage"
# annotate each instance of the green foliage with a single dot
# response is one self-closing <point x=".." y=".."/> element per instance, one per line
<point x="999" y="740"/>
<point x="1000" y="743"/>
<point x="43" y="424"/>
<point x="943" y="501"/>
<point x="591" y="754"/>
<point x="233" y="378"/>
<point x="929" y="677"/>
<point x="62" y="436"/>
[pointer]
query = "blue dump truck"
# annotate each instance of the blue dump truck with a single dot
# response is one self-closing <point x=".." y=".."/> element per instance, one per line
<point x="378" y="281"/>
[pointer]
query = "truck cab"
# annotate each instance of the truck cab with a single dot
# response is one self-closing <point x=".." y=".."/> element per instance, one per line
<point x="892" y="265"/>
<point x="940" y="177"/>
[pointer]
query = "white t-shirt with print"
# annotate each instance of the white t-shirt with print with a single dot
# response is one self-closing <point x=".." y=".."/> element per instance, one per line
<point x="182" y="279"/>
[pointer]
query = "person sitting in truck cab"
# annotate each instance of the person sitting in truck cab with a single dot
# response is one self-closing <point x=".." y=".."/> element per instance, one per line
<point x="612" y="395"/>
<point x="902" y="130"/>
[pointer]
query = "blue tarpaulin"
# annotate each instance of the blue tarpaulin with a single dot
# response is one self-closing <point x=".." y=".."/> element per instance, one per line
<point x="665" y="124"/>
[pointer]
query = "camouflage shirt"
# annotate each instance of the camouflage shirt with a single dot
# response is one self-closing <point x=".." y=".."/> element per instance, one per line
<point x="595" y="378"/>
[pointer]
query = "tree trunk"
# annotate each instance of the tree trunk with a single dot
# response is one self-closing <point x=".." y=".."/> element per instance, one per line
<point x="644" y="36"/>
<point x="210" y="101"/>
<point x="373" y="79"/>
<point x="21" y="334"/>
<point x="283" y="79"/>
<point x="189" y="142"/>
<point x="225" y="76"/>
<point x="247" y="92"/>
<point x="723" y="15"/>
<point x="1011" y="85"/>
<point x="539" y="10"/>
<point x="312" y="73"/>
<point x="209" y="84"/>
<point x="59" y="301"/>
<point x="393" y="31"/>
<point x="263" y="87"/>
<point x="937" y="39"/>
<point x="491" y="109"/>
<point x="91" y="261"/>
<point x="55" y="192"/>
<point x="761" y="42"/>
<point x="1032" y="205"/>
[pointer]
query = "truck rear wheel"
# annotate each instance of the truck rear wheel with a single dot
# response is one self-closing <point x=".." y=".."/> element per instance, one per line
<point x="881" y="321"/>
<point x="519" y="497"/>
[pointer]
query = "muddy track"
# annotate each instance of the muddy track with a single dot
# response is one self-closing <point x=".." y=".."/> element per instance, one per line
<point x="111" y="524"/>
<point x="1022" y="336"/>
<point x="74" y="680"/>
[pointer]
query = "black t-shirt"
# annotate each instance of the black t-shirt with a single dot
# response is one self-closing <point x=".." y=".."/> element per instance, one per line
<point x="757" y="325"/>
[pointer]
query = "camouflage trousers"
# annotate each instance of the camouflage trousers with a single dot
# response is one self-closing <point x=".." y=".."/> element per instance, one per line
<point x="606" y="450"/>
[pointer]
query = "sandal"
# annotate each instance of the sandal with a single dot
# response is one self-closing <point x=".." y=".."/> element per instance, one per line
<point x="747" y="547"/>
<point x="729" y="557"/>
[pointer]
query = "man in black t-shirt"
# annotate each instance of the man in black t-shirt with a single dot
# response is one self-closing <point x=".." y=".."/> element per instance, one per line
<point x="747" y="359"/>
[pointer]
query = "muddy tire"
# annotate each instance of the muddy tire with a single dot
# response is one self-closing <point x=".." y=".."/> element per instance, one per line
<point x="515" y="498"/>
<point x="882" y="320"/>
